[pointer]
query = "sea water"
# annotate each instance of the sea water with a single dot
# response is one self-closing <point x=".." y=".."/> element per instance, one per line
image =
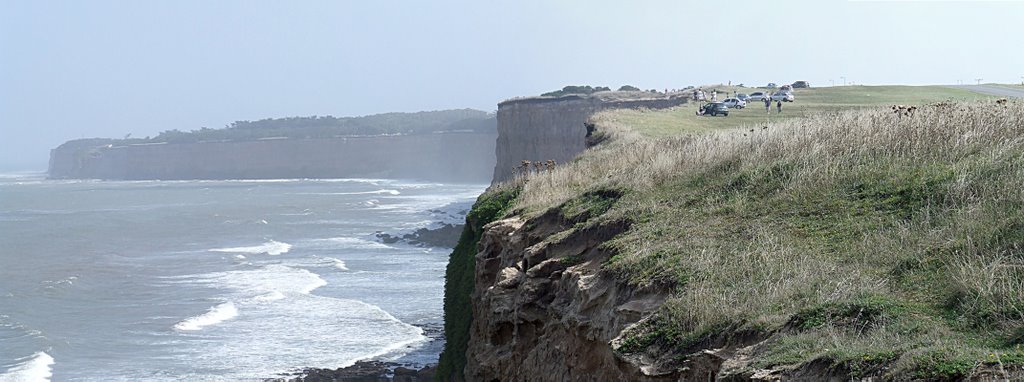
<point x="216" y="280"/>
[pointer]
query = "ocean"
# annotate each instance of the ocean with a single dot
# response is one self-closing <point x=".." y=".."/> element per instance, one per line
<point x="217" y="280"/>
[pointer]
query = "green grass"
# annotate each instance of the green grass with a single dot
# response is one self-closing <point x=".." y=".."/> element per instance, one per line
<point x="860" y="238"/>
<point x="682" y="120"/>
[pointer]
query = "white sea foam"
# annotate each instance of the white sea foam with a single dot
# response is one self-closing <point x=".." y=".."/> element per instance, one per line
<point x="320" y="331"/>
<point x="215" y="315"/>
<point x="34" y="368"/>
<point x="340" y="264"/>
<point x="347" y="243"/>
<point x="268" y="279"/>
<point x="272" y="296"/>
<point x="23" y="174"/>
<point x="272" y="248"/>
<point x="375" y="192"/>
<point x="381" y="192"/>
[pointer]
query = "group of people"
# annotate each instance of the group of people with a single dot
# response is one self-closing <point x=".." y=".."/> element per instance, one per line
<point x="768" y="105"/>
<point x="699" y="95"/>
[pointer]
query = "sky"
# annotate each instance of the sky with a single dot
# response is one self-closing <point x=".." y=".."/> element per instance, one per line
<point x="82" y="69"/>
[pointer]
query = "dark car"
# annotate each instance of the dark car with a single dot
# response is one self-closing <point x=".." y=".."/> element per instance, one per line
<point x="714" y="109"/>
<point x="801" y="84"/>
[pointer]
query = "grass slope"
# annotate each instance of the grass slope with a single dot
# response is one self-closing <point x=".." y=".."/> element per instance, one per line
<point x="858" y="238"/>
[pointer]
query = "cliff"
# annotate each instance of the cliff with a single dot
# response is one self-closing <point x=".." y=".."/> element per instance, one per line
<point x="544" y="310"/>
<point x="860" y="245"/>
<point x="450" y="157"/>
<point x="551" y="128"/>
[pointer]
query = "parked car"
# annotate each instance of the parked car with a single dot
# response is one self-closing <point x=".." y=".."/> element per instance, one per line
<point x="734" y="103"/>
<point x="772" y="85"/>
<point x="801" y="84"/>
<point x="743" y="96"/>
<point x="757" y="96"/>
<point x="786" y="88"/>
<point x="714" y="109"/>
<point x="783" y="96"/>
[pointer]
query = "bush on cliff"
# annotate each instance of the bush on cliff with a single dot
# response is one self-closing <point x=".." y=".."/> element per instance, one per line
<point x="573" y="89"/>
<point x="866" y="240"/>
<point x="458" y="286"/>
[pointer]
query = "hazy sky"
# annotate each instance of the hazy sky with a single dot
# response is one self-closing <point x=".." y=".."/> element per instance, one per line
<point x="77" y="69"/>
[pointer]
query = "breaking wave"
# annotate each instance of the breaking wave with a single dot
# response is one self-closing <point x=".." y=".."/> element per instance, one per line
<point x="216" y="315"/>
<point x="34" y="368"/>
<point x="272" y="248"/>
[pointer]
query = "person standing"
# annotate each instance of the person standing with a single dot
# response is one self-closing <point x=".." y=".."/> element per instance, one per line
<point x="767" y="105"/>
<point x="714" y="95"/>
<point x="779" y="106"/>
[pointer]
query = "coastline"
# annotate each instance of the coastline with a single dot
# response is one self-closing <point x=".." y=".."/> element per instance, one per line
<point x="417" y="365"/>
<point x="412" y="363"/>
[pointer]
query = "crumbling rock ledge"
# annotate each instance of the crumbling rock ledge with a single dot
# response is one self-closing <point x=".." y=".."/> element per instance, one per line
<point x="544" y="310"/>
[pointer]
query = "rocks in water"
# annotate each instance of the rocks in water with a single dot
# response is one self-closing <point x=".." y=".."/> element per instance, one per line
<point x="412" y="375"/>
<point x="368" y="371"/>
<point x="362" y="371"/>
<point x="445" y="236"/>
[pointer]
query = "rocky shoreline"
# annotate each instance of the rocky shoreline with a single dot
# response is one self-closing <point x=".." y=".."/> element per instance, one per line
<point x="366" y="371"/>
<point x="410" y="367"/>
<point x="444" y="233"/>
<point x="447" y="235"/>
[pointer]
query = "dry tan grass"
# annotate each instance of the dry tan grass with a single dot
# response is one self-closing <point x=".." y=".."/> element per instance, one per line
<point x="828" y="144"/>
<point x="923" y="211"/>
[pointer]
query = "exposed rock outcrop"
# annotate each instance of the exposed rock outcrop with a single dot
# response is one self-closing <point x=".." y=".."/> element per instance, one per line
<point x="544" y="310"/>
<point x="365" y="371"/>
<point x="446" y="236"/>
<point x="546" y="128"/>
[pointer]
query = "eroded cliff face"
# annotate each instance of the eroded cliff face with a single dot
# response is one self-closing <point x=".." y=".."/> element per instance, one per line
<point x="451" y="157"/>
<point x="541" y="129"/>
<point x="543" y="310"/>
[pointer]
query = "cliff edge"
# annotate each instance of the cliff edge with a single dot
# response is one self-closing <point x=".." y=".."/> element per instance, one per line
<point x="858" y="245"/>
<point x="552" y="128"/>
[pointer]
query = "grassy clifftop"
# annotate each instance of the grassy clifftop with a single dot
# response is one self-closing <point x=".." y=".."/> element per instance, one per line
<point x="808" y="102"/>
<point x="864" y="240"/>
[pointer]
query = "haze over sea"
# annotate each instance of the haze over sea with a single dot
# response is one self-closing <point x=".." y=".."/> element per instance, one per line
<point x="216" y="280"/>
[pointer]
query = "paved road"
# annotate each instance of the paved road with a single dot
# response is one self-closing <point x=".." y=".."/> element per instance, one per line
<point x="994" y="90"/>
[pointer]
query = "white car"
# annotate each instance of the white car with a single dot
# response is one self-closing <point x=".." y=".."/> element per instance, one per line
<point x="783" y="96"/>
<point x="734" y="103"/>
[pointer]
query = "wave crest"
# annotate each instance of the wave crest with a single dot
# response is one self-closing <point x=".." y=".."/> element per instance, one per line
<point x="216" y="315"/>
<point x="272" y="248"/>
<point x="35" y="368"/>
